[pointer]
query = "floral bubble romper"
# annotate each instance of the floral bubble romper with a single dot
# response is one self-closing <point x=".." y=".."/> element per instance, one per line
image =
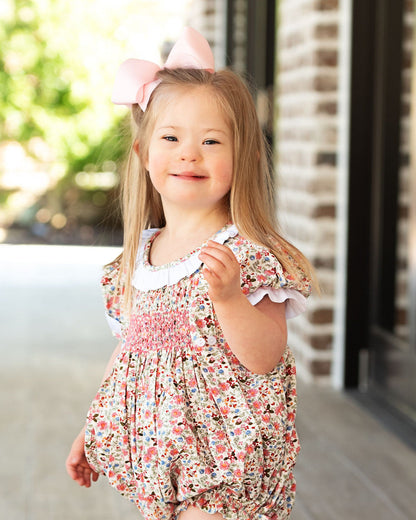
<point x="179" y="421"/>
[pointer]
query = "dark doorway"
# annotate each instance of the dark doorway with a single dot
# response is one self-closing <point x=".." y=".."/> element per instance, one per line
<point x="251" y="40"/>
<point x="381" y="295"/>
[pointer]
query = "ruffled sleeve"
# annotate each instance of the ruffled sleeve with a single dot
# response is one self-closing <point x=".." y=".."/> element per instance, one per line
<point x="113" y="297"/>
<point x="262" y="274"/>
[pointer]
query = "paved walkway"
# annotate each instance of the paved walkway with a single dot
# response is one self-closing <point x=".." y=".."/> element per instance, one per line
<point x="54" y="346"/>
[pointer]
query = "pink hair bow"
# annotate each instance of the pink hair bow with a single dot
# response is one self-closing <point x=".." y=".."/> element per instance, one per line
<point x="135" y="79"/>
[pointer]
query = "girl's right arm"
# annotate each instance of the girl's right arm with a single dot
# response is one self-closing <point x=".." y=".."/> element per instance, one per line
<point x="76" y="462"/>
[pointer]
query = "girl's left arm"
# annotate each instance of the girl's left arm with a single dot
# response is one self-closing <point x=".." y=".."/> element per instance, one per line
<point x="257" y="334"/>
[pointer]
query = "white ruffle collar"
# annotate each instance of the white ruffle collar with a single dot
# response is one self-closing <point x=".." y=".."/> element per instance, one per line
<point x="148" y="277"/>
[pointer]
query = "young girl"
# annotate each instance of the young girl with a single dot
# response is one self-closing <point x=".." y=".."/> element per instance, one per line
<point x="195" y="417"/>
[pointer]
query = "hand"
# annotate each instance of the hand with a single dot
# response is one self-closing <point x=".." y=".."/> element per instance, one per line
<point x="221" y="271"/>
<point x="77" y="465"/>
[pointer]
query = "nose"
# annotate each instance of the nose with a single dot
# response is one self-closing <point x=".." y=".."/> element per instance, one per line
<point x="189" y="152"/>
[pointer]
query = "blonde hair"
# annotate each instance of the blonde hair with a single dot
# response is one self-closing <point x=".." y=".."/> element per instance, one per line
<point x="252" y="206"/>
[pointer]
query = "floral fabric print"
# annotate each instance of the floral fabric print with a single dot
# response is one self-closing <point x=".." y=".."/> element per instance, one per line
<point x="180" y="421"/>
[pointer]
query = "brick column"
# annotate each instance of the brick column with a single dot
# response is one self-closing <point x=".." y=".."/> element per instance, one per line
<point x="306" y="163"/>
<point x="402" y="303"/>
<point x="209" y="18"/>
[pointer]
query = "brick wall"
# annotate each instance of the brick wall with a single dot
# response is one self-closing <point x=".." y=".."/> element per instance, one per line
<point x="209" y="18"/>
<point x="306" y="133"/>
<point x="402" y="281"/>
<point x="239" y="37"/>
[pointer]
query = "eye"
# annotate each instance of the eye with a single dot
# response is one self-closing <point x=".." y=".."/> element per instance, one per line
<point x="170" y="138"/>
<point x="211" y="141"/>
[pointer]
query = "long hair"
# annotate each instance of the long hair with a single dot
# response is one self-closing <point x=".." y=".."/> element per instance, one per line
<point x="252" y="206"/>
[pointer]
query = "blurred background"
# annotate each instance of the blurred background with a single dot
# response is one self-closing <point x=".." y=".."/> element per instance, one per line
<point x="62" y="141"/>
<point x="334" y="82"/>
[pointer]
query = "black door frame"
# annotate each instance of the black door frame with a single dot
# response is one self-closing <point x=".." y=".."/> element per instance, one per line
<point x="360" y="186"/>
<point x="260" y="49"/>
<point x="260" y="39"/>
<point x="375" y="118"/>
<point x="374" y="161"/>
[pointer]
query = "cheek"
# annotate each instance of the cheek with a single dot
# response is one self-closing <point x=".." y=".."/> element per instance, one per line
<point x="225" y="169"/>
<point x="153" y="166"/>
<point x="154" y="163"/>
<point x="154" y="157"/>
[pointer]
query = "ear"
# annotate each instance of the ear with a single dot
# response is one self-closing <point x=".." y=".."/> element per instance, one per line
<point x="136" y="147"/>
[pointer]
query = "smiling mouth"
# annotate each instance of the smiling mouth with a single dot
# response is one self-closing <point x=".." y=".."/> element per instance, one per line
<point x="188" y="176"/>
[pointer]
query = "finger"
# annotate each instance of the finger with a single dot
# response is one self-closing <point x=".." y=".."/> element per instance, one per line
<point x="79" y="479"/>
<point x="86" y="477"/>
<point x="214" y="265"/>
<point x="72" y="469"/>
<point x="225" y="256"/>
<point x="72" y="472"/>
<point x="210" y="277"/>
<point x="217" y="245"/>
<point x="79" y="474"/>
<point x="211" y="253"/>
<point x="90" y="475"/>
<point x="221" y="247"/>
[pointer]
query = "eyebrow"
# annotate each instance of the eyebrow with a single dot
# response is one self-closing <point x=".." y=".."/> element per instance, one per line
<point x="171" y="127"/>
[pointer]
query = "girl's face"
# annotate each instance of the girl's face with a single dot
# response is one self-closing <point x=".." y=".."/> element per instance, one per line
<point x="190" y="157"/>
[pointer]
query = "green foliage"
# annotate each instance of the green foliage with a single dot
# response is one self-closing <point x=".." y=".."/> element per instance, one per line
<point x="45" y="85"/>
<point x="57" y="64"/>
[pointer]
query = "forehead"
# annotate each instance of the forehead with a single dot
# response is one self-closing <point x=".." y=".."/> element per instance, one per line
<point x="190" y="103"/>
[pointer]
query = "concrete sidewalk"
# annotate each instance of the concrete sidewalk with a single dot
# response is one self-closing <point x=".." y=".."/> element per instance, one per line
<point x="54" y="346"/>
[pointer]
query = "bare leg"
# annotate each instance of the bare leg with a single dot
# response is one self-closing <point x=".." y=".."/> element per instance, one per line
<point x="194" y="513"/>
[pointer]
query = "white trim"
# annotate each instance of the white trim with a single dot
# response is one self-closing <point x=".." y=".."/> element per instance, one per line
<point x="295" y="301"/>
<point x="146" y="278"/>
<point x="345" y="40"/>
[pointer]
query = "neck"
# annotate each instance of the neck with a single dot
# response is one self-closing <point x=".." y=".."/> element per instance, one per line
<point x="184" y="231"/>
<point x="197" y="224"/>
